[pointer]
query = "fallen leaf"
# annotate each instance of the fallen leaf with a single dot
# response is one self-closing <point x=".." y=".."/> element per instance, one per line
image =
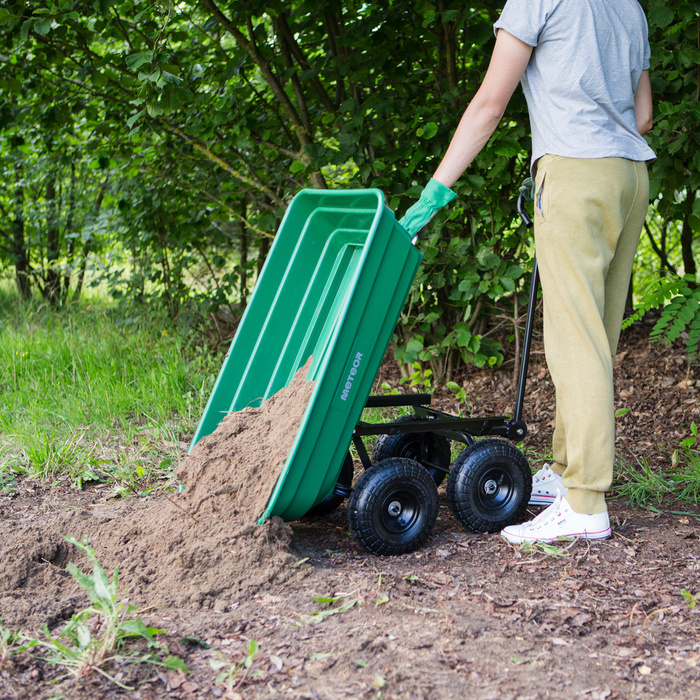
<point x="558" y="641"/>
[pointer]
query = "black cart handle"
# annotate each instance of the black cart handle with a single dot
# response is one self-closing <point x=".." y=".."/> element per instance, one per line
<point x="523" y="212"/>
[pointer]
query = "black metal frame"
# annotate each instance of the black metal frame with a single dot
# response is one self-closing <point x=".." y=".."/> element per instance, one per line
<point x="452" y="427"/>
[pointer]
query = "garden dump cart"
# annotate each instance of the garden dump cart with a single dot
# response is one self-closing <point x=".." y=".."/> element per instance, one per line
<point x="332" y="289"/>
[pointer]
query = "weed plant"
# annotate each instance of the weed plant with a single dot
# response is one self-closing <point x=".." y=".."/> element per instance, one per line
<point x="97" y="636"/>
<point x="236" y="674"/>
<point x="89" y="393"/>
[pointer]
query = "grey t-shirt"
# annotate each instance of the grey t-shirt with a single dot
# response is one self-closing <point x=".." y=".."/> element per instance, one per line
<point x="583" y="74"/>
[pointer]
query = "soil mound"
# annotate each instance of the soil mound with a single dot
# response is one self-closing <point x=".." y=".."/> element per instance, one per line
<point x="201" y="547"/>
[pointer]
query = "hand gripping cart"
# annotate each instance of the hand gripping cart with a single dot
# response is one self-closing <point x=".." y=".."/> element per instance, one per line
<point x="332" y="288"/>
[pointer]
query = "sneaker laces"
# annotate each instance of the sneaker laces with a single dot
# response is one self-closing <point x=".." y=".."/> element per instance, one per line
<point x="551" y="511"/>
<point x="543" y="474"/>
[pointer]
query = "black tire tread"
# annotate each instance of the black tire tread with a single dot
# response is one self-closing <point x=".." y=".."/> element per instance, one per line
<point x="462" y="486"/>
<point x="376" y="485"/>
<point x="387" y="446"/>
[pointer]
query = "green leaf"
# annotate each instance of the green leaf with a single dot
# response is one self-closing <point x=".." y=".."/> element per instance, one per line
<point x="43" y="26"/>
<point x="661" y="15"/>
<point x="137" y="628"/>
<point x="194" y="641"/>
<point x="6" y="16"/>
<point x="430" y="130"/>
<point x="174" y="663"/>
<point x="252" y="651"/>
<point x="476" y="181"/>
<point x="324" y="601"/>
<point x="132" y="120"/>
<point x="104" y="590"/>
<point x="154" y="109"/>
<point x="136" y="60"/>
<point x="83" y="636"/>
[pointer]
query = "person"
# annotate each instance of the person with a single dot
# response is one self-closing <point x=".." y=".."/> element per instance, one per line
<point x="583" y="66"/>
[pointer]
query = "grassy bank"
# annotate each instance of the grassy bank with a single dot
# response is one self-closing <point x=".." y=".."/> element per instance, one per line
<point x="90" y="392"/>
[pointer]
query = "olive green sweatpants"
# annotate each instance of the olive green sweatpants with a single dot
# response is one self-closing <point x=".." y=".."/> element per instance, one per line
<point x="588" y="217"/>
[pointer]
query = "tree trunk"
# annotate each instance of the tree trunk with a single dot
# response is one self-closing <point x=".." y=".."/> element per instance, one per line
<point x="687" y="237"/>
<point x="20" y="254"/>
<point x="87" y="246"/>
<point x="244" y="255"/>
<point x="262" y="253"/>
<point x="71" y="239"/>
<point x="450" y="48"/>
<point x="52" y="280"/>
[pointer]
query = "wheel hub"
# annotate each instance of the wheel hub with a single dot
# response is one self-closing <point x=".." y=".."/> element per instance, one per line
<point x="400" y="510"/>
<point x="490" y="487"/>
<point x="395" y="509"/>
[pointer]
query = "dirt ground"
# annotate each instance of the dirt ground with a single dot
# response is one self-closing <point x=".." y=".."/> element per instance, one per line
<point x="465" y="616"/>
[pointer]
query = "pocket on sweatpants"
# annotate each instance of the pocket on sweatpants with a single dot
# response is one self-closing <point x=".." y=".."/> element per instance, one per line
<point x="543" y="185"/>
<point x="541" y="199"/>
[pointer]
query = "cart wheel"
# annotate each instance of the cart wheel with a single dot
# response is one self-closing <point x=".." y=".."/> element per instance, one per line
<point x="489" y="485"/>
<point x="333" y="500"/>
<point x="393" y="507"/>
<point x="425" y="448"/>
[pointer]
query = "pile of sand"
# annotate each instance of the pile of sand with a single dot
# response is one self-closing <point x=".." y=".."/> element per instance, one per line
<point x="197" y="548"/>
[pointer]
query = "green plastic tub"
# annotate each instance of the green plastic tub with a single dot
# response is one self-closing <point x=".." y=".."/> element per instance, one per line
<point x="332" y="287"/>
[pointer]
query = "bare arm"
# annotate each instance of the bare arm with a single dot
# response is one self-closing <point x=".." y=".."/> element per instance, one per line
<point x="508" y="62"/>
<point x="643" y="104"/>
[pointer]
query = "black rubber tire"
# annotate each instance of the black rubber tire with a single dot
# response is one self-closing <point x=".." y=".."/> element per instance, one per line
<point x="489" y="485"/>
<point x="333" y="500"/>
<point x="393" y="507"/>
<point x="421" y="447"/>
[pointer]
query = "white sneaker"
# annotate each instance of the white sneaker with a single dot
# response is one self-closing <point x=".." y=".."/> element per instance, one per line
<point x="545" y="484"/>
<point x="559" y="521"/>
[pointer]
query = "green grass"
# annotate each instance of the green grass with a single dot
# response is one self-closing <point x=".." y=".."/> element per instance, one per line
<point x="640" y="484"/>
<point x="687" y="480"/>
<point x="647" y="487"/>
<point x="89" y="393"/>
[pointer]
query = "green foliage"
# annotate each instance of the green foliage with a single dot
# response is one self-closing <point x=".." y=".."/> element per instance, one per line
<point x="691" y="441"/>
<point x="8" y="641"/>
<point x="687" y="480"/>
<point x="533" y="549"/>
<point x="198" y="124"/>
<point x="672" y="232"/>
<point x="675" y="56"/>
<point x="679" y="300"/>
<point x="155" y="146"/>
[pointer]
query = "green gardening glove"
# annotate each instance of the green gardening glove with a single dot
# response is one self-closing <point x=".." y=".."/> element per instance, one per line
<point x="433" y="197"/>
<point x="527" y="189"/>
